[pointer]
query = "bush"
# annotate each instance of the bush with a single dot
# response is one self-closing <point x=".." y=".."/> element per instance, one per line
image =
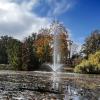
<point x="91" y="65"/>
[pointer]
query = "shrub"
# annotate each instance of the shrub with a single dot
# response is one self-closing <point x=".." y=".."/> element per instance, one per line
<point x="91" y="65"/>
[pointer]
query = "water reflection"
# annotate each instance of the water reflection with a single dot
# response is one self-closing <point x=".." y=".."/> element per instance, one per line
<point x="71" y="93"/>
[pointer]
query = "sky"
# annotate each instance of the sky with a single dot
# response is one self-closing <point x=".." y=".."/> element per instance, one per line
<point x="20" y="18"/>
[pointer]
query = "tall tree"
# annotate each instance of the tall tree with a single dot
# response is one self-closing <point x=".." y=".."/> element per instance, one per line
<point x="63" y="46"/>
<point x="92" y="43"/>
<point x="29" y="58"/>
<point x="14" y="54"/>
<point x="43" y="45"/>
<point x="3" y="49"/>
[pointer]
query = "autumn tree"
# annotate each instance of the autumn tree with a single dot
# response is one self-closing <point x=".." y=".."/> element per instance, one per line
<point x="29" y="58"/>
<point x="63" y="46"/>
<point x="43" y="45"/>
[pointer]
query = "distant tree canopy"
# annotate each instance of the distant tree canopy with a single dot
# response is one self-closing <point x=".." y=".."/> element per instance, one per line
<point x="92" y="43"/>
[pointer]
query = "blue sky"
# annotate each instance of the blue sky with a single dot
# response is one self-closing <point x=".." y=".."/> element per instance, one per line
<point x="81" y="18"/>
<point x="19" y="18"/>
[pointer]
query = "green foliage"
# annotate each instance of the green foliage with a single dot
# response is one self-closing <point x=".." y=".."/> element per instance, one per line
<point x="3" y="49"/>
<point x="3" y="54"/>
<point x="17" y="55"/>
<point x="91" y="65"/>
<point x="92" y="43"/>
<point x="14" y="54"/>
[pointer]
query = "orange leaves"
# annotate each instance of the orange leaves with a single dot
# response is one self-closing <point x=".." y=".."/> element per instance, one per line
<point x="40" y="51"/>
<point x="43" y="45"/>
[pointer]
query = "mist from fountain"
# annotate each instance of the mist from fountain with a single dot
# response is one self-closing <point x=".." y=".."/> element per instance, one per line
<point x="56" y="30"/>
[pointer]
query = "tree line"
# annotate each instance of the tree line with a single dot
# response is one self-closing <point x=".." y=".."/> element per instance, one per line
<point x="33" y="51"/>
<point x="19" y="55"/>
<point x="37" y="49"/>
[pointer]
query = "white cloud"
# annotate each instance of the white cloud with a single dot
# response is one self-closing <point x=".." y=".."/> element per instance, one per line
<point x="59" y="6"/>
<point x="17" y="19"/>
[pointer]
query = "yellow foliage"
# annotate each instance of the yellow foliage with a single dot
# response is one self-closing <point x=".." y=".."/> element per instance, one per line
<point x="42" y="45"/>
<point x="92" y="65"/>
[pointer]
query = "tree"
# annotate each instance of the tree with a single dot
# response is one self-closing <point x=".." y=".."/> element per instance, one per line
<point x="14" y="54"/>
<point x="92" y="43"/>
<point x="3" y="54"/>
<point x="63" y="46"/>
<point x="43" y="45"/>
<point x="3" y="49"/>
<point x="29" y="58"/>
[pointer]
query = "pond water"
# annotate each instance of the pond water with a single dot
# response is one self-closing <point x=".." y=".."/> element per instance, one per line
<point x="20" y="85"/>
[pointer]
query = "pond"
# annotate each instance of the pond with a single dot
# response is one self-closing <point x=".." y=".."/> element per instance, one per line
<point x="29" y="85"/>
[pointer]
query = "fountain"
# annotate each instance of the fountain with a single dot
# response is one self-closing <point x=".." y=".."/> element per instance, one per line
<point x="56" y="30"/>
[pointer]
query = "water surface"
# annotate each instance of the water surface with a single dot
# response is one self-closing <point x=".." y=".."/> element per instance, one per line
<point x="29" y="85"/>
